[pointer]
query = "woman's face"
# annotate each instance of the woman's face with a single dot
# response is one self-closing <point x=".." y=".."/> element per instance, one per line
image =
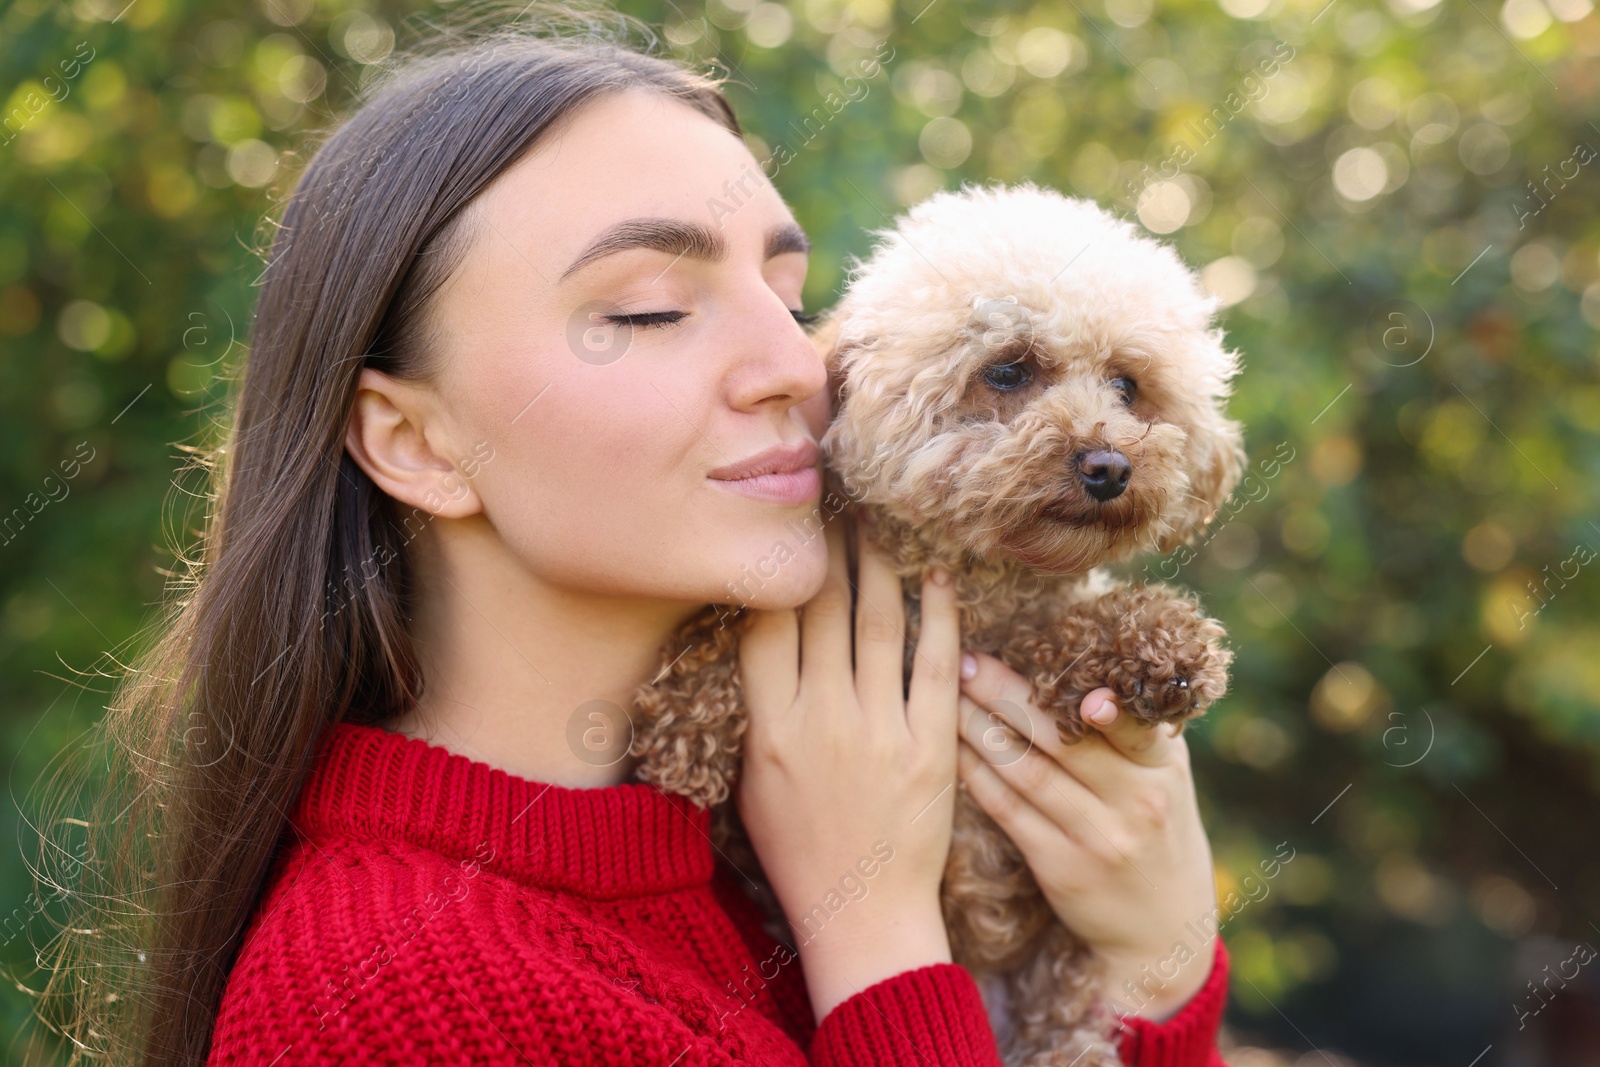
<point x="616" y="442"/>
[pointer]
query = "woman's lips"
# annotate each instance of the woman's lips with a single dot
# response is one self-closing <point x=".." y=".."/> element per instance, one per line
<point x="782" y="474"/>
<point x="778" y="487"/>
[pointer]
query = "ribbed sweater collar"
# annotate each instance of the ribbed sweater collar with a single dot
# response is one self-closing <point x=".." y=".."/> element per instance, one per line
<point x="625" y="840"/>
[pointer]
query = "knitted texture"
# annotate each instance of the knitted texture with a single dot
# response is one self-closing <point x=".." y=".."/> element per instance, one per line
<point x="1189" y="1038"/>
<point x="430" y="909"/>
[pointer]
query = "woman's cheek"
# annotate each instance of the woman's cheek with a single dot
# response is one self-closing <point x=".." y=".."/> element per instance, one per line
<point x="815" y="414"/>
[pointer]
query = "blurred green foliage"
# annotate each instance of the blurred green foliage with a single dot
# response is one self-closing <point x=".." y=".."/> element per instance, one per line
<point x="1394" y="198"/>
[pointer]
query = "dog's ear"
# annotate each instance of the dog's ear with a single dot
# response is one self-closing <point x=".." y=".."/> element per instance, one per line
<point x="1216" y="461"/>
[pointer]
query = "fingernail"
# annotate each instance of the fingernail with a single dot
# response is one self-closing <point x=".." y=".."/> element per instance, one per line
<point x="1105" y="712"/>
<point x="969" y="665"/>
<point x="940" y="576"/>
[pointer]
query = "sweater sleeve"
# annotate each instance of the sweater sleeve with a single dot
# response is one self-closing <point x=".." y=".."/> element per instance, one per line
<point x="1189" y="1038"/>
<point x="926" y="1017"/>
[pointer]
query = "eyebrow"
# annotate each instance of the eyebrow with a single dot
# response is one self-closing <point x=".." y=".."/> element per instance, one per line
<point x="680" y="238"/>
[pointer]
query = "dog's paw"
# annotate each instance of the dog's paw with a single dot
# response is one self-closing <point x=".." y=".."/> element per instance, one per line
<point x="1151" y="645"/>
<point x="1167" y="661"/>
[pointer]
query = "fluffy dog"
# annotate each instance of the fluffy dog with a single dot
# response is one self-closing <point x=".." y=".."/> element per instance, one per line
<point x="1026" y="389"/>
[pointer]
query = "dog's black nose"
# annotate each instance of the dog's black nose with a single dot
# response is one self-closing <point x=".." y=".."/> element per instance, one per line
<point x="1105" y="473"/>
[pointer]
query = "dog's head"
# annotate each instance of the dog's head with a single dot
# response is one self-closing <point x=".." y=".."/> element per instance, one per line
<point x="1025" y="377"/>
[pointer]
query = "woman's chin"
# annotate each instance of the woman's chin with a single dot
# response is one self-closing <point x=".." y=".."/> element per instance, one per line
<point x="786" y="573"/>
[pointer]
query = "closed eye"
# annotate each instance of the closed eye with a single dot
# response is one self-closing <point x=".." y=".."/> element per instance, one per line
<point x="646" y="319"/>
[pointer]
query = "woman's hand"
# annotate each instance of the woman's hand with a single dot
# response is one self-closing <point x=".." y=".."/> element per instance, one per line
<point x="1109" y="826"/>
<point x="847" y="788"/>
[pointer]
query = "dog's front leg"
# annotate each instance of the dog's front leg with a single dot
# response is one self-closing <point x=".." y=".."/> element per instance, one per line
<point x="1150" y="644"/>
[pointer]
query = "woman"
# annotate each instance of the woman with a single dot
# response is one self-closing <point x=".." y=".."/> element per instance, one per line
<point x="518" y="405"/>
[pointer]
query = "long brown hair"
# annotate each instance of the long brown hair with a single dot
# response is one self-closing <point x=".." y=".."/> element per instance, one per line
<point x="293" y="614"/>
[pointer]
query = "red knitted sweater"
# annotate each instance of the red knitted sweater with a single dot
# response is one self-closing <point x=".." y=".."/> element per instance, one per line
<point x="431" y="909"/>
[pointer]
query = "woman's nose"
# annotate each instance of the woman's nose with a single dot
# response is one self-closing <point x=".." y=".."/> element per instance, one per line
<point x="776" y="362"/>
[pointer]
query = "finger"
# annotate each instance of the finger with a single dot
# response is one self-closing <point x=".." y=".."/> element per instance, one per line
<point x="996" y="739"/>
<point x="769" y="661"/>
<point x="1082" y="843"/>
<point x="1150" y="745"/>
<point x="935" y="670"/>
<point x="1038" y="778"/>
<point x="1028" y="827"/>
<point x="880" y="629"/>
<point x="1001" y="690"/>
<point x="825" y="626"/>
<point x="1099" y="706"/>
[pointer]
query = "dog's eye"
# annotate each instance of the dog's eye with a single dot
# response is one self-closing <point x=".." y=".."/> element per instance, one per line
<point x="1127" y="387"/>
<point x="1008" y="375"/>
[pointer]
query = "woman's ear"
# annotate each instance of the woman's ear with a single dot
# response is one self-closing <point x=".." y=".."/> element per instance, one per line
<point x="396" y="435"/>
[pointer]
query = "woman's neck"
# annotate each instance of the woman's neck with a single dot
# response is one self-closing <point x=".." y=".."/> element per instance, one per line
<point x="531" y="678"/>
